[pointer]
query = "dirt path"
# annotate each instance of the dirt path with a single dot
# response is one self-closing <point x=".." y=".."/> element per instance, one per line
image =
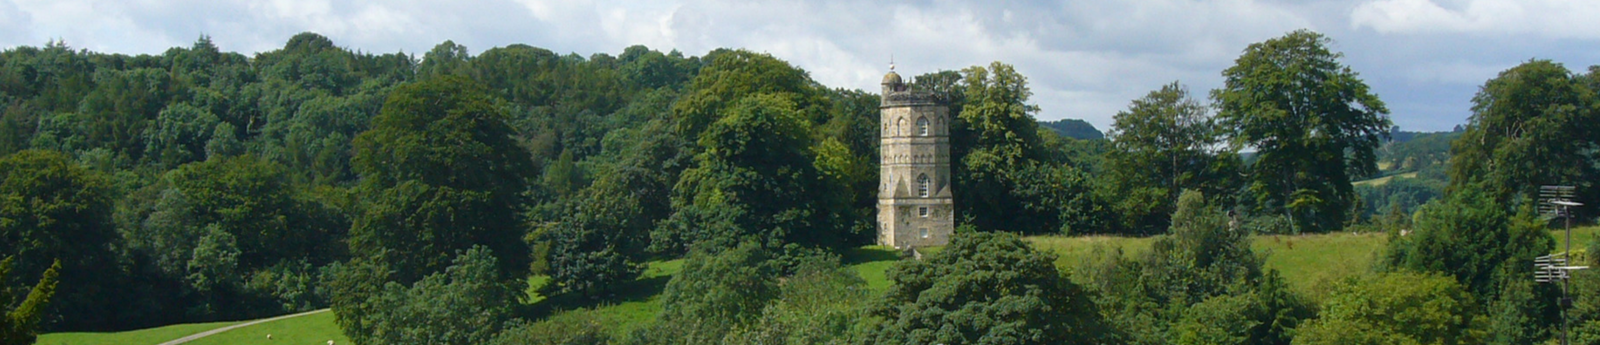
<point x="192" y="337"/>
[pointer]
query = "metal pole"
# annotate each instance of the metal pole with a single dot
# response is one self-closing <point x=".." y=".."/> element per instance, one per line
<point x="1563" y="303"/>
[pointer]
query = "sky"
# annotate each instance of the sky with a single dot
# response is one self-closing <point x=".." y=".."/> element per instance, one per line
<point x="1083" y="59"/>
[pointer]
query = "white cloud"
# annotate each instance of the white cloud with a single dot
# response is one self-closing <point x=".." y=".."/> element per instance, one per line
<point x="14" y="23"/>
<point x="1550" y="18"/>
<point x="1084" y="59"/>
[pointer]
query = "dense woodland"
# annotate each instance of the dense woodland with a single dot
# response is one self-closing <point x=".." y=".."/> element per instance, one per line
<point x="417" y="195"/>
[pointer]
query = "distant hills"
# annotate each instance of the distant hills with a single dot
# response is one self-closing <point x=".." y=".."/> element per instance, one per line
<point x="1074" y="128"/>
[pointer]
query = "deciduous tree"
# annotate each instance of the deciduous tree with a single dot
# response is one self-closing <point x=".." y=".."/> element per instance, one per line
<point x="1164" y="143"/>
<point x="985" y="288"/>
<point x="1312" y="121"/>
<point x="1534" y="124"/>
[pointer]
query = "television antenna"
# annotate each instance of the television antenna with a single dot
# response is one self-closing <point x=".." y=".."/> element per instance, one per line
<point x="1556" y="202"/>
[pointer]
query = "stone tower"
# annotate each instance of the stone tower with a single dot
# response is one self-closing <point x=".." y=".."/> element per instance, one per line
<point x="914" y="204"/>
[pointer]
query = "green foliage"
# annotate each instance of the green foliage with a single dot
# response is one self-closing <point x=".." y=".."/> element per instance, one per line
<point x="1006" y="178"/>
<point x="20" y="324"/>
<point x="1058" y="195"/>
<point x="1534" y="124"/>
<point x="1395" y="308"/>
<point x="1314" y="129"/>
<point x="54" y="212"/>
<point x="440" y="174"/>
<point x="180" y="135"/>
<point x="1202" y="283"/>
<point x="1400" y="195"/>
<point x="819" y="304"/>
<point x="1073" y="128"/>
<point x="713" y="295"/>
<point x="984" y="288"/>
<point x="1584" y="314"/>
<point x="733" y="75"/>
<point x="1223" y="319"/>
<point x="467" y="303"/>
<point x="601" y="243"/>
<point x="1163" y="144"/>
<point x="447" y="58"/>
<point x="1516" y="316"/>
<point x="1470" y="237"/>
<point x="252" y="200"/>
<point x="579" y="327"/>
<point x="755" y="178"/>
<point x="1428" y="154"/>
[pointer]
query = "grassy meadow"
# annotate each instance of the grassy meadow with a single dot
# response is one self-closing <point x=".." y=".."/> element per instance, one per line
<point x="149" y="336"/>
<point x="1308" y="262"/>
<point x="1382" y="180"/>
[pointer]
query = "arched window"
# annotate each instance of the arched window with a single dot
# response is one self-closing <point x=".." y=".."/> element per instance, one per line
<point x="922" y="126"/>
<point x="900" y="127"/>
<point x="922" y="185"/>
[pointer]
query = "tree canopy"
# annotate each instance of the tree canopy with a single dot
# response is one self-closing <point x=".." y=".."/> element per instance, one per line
<point x="1312" y="121"/>
<point x="985" y="288"/>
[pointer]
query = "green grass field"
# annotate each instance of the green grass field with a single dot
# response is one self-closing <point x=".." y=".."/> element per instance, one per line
<point x="150" y="336"/>
<point x="872" y="263"/>
<point x="1382" y="180"/>
<point x="1305" y="260"/>
<point x="310" y="329"/>
<point x="1312" y="262"/>
<point x="1308" y="262"/>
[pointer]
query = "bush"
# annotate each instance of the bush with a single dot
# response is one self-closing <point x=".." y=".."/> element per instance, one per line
<point x="466" y="304"/>
<point x="1395" y="308"/>
<point x="714" y="294"/>
<point x="1276" y="224"/>
<point x="1471" y="237"/>
<point x="578" y="327"/>
<point x="1225" y="319"/>
<point x="984" y="288"/>
<point x="819" y="304"/>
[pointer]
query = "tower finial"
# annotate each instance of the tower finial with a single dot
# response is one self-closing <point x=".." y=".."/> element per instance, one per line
<point x="891" y="62"/>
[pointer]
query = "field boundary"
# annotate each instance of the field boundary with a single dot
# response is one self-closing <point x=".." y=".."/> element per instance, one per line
<point x="192" y="337"/>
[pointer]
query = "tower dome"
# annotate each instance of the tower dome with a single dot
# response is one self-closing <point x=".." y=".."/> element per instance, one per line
<point x="892" y="79"/>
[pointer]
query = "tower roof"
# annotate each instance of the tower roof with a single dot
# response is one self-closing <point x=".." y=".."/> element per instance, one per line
<point x="892" y="79"/>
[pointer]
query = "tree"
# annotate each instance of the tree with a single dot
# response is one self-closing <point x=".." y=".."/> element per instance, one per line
<point x="1203" y="256"/>
<point x="1395" y="308"/>
<point x="1163" y="144"/>
<point x="20" y="325"/>
<point x="1223" y="319"/>
<point x="1073" y="128"/>
<point x="467" y="303"/>
<point x="1468" y="236"/>
<point x="733" y="75"/>
<point x="819" y="304"/>
<point x="441" y="173"/>
<point x="180" y="135"/>
<point x="715" y="294"/>
<point x="755" y="178"/>
<point x="599" y="245"/>
<point x="1313" y="122"/>
<point x="250" y="199"/>
<point x="230" y="229"/>
<point x="1532" y="125"/>
<point x="994" y="136"/>
<point x="1201" y="283"/>
<point x="984" y="288"/>
<point x="575" y="327"/>
<point x="1516" y="316"/>
<point x="447" y="58"/>
<point x="117" y="112"/>
<point x="52" y="209"/>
